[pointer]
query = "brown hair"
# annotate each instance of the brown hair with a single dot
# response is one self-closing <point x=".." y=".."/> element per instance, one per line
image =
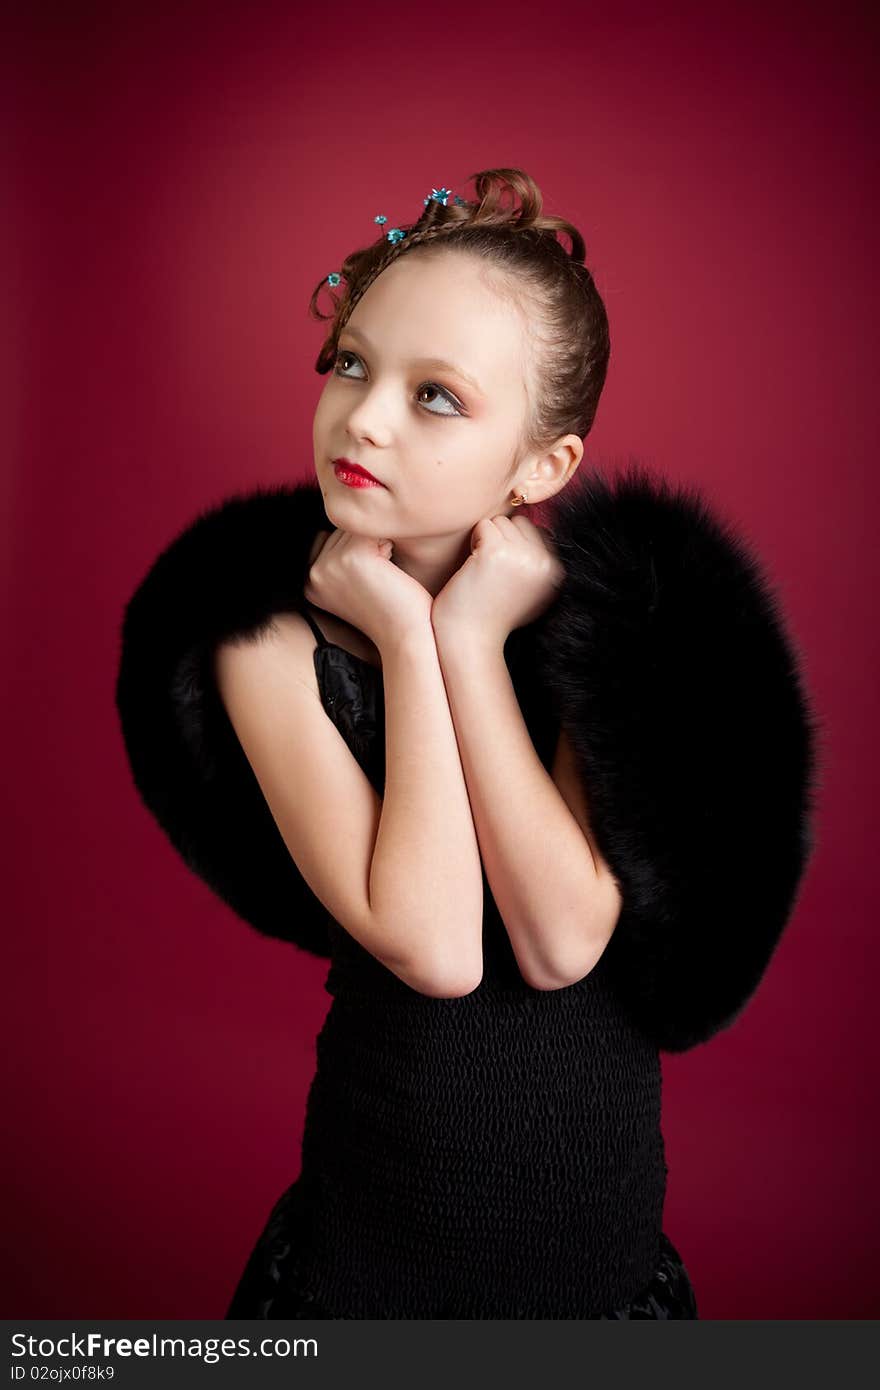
<point x="567" y="315"/>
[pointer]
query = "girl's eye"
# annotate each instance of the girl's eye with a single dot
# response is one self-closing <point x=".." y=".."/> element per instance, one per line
<point x="339" y="356"/>
<point x="441" y="391"/>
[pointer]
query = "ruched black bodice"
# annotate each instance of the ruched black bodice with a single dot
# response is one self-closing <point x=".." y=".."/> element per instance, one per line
<point x="497" y="1155"/>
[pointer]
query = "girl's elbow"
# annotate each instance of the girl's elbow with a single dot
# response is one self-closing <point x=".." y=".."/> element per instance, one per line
<point x="591" y="944"/>
<point x="447" y="978"/>
<point x="446" y="985"/>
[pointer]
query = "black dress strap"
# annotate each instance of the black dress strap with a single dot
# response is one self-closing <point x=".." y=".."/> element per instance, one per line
<point x="322" y="640"/>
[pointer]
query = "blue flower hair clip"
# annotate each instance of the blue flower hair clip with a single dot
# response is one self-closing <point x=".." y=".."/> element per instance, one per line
<point x="396" y="234"/>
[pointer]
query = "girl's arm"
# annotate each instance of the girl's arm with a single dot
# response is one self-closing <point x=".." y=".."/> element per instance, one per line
<point x="426" y="883"/>
<point x="209" y="613"/>
<point x="382" y="867"/>
<point x="556" y="895"/>
<point x="667" y="659"/>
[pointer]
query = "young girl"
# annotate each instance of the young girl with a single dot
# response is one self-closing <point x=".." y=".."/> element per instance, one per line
<point x="541" y="795"/>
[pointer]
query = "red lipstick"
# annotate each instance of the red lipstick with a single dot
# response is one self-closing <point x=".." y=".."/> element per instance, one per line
<point x="354" y="475"/>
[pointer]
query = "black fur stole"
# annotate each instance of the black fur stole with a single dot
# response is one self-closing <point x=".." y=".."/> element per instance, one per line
<point x="666" y="658"/>
<point x="664" y="655"/>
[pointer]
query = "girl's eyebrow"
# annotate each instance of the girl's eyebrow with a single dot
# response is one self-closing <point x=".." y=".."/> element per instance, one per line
<point x="438" y="362"/>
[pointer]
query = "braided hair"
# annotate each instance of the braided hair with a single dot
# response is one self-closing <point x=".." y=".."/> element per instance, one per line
<point x="549" y="285"/>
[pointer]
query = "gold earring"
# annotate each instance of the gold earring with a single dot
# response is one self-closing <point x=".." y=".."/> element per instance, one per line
<point x="516" y="501"/>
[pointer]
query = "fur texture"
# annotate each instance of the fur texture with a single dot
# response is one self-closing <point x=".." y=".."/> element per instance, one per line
<point x="665" y="657"/>
<point x="223" y="576"/>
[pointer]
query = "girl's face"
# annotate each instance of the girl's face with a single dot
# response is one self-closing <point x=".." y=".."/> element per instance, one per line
<point x="442" y="438"/>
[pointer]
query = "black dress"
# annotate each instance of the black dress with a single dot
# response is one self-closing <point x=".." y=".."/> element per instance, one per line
<point x="497" y="1155"/>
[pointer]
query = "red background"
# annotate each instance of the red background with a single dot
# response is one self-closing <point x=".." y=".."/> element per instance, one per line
<point x="179" y="180"/>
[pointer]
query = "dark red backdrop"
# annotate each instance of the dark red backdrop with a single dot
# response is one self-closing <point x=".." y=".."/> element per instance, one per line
<point x="178" y="182"/>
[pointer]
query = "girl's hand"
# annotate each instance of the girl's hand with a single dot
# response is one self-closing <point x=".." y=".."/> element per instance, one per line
<point x="510" y="577"/>
<point x="354" y="577"/>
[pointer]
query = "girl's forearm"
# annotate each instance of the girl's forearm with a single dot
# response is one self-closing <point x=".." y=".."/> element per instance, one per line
<point x="554" y="893"/>
<point x="426" y="876"/>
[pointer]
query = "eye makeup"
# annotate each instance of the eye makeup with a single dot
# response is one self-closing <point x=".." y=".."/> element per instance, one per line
<point x="442" y="391"/>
